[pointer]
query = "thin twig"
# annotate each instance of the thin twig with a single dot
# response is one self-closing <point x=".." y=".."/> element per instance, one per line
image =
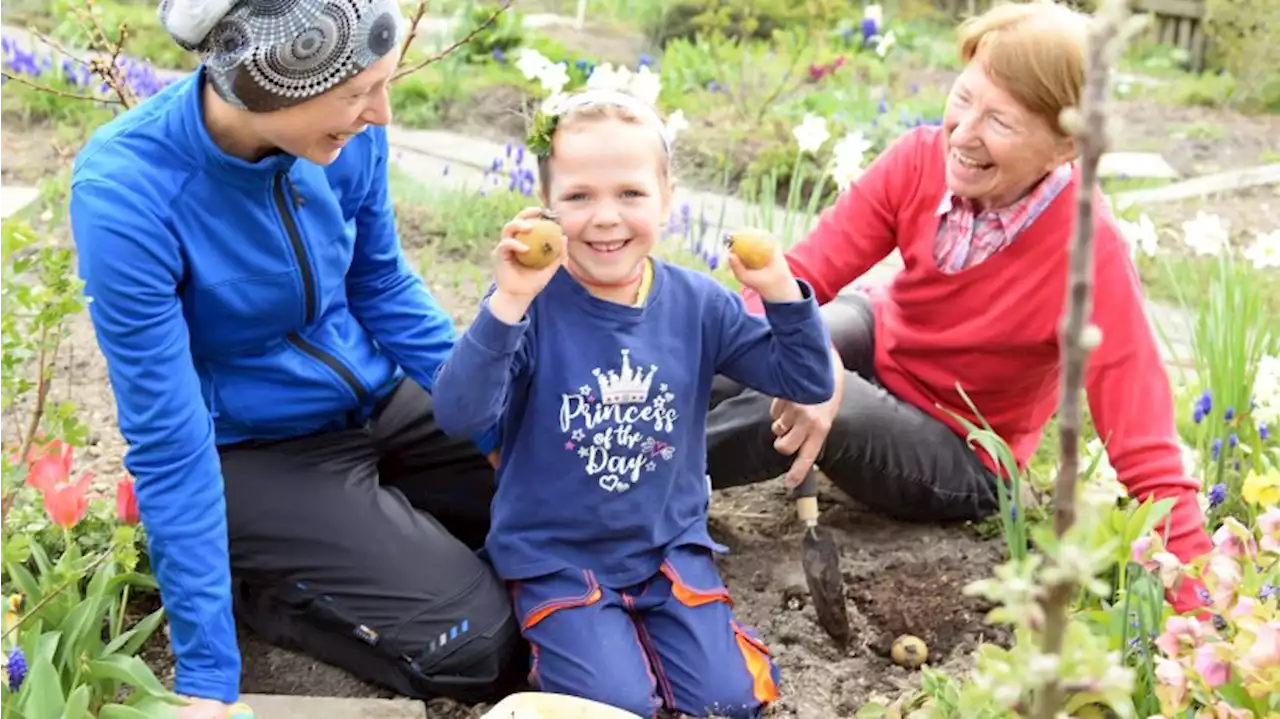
<point x="57" y="46"/>
<point x="1090" y="126"/>
<point x="413" y="29"/>
<point x="448" y="50"/>
<point x="55" y="91"/>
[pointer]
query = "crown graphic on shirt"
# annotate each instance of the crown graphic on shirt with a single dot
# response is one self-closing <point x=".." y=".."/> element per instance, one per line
<point x="631" y="386"/>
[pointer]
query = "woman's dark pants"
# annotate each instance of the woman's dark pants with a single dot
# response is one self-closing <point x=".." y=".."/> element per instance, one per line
<point x="357" y="547"/>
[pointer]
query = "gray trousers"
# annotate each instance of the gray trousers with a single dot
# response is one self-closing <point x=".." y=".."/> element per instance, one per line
<point x="358" y="547"/>
<point x="883" y="452"/>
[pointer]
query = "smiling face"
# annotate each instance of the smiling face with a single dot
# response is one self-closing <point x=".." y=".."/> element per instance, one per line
<point x="997" y="149"/>
<point x="319" y="128"/>
<point x="608" y="182"/>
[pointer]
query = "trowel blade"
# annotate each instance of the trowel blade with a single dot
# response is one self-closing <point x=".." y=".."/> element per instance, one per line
<point x="821" y="561"/>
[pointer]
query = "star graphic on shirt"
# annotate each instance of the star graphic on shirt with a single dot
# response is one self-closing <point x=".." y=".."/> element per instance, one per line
<point x="578" y="434"/>
<point x="583" y="452"/>
<point x="651" y="466"/>
<point x="662" y="387"/>
<point x="569" y="444"/>
<point x="584" y="389"/>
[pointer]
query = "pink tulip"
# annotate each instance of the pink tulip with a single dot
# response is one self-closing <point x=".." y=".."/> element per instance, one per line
<point x="1170" y="569"/>
<point x="1140" y="549"/>
<point x="1265" y="652"/>
<point x="1223" y="580"/>
<point x="1245" y="607"/>
<point x="1269" y="523"/>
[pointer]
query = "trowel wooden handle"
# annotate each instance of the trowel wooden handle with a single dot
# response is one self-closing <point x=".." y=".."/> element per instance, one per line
<point x="806" y="496"/>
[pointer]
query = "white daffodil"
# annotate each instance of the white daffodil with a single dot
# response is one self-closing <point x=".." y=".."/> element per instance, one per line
<point x="554" y="77"/>
<point x="1206" y="234"/>
<point x="886" y="42"/>
<point x="1141" y="236"/>
<point x="531" y="63"/>
<point x="846" y="163"/>
<point x="551" y="105"/>
<point x="811" y="133"/>
<point x="1265" y="250"/>
<point x="1266" y="390"/>
<point x="875" y="13"/>
<point x="676" y="124"/>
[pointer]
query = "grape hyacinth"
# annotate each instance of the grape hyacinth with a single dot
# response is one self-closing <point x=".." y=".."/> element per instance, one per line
<point x="16" y="667"/>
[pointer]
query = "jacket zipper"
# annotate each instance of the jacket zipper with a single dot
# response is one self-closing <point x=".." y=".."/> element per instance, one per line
<point x="308" y="287"/>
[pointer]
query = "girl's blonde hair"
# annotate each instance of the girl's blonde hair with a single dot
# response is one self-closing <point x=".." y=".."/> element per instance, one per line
<point x="1034" y="51"/>
<point x="593" y="106"/>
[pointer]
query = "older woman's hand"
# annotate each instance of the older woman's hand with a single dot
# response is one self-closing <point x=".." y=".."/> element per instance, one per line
<point x="801" y="429"/>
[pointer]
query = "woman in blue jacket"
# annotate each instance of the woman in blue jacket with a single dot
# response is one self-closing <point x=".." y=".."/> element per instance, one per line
<point x="271" y="355"/>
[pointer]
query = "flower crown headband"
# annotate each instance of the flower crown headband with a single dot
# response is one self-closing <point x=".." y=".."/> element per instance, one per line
<point x="553" y="108"/>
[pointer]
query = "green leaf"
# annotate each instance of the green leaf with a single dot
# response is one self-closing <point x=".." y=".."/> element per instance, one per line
<point x="78" y="703"/>
<point x="42" y="560"/>
<point x="128" y="669"/>
<point x="27" y="583"/>
<point x="41" y="694"/>
<point x="120" y="711"/>
<point x="101" y="580"/>
<point x="130" y="641"/>
<point x="83" y="627"/>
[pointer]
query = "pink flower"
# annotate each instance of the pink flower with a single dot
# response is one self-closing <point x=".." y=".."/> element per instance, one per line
<point x="1213" y="671"/>
<point x="1171" y="685"/>
<point x="1179" y="632"/>
<point x="1223" y="578"/>
<point x="1269" y="523"/>
<point x="1140" y="549"/>
<point x="1244" y="607"/>
<point x="1170" y="569"/>
<point x="1234" y="539"/>
<point x="1265" y="652"/>
<point x="1223" y="710"/>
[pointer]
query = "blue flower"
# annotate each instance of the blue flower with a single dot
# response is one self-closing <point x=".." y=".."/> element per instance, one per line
<point x="1233" y="440"/>
<point x="1218" y="494"/>
<point x="869" y="29"/>
<point x="645" y="61"/>
<point x="1263" y="431"/>
<point x="1229" y="414"/>
<point x="499" y="55"/>
<point x="1268" y="590"/>
<point x="16" y="667"/>
<point x="1217" y="449"/>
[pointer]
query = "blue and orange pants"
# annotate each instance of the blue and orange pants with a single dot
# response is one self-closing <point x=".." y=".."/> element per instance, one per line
<point x="671" y="640"/>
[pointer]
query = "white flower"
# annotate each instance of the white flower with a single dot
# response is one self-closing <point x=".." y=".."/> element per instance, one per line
<point x="874" y="12"/>
<point x="646" y="85"/>
<point x="846" y="164"/>
<point x="812" y="133"/>
<point x="531" y="63"/>
<point x="1205" y="234"/>
<point x="1140" y="235"/>
<point x="551" y="105"/>
<point x="676" y="124"/>
<point x="886" y="42"/>
<point x="1266" y="389"/>
<point x="554" y="77"/>
<point x="605" y="77"/>
<point x="1265" y="250"/>
<point x="1103" y="488"/>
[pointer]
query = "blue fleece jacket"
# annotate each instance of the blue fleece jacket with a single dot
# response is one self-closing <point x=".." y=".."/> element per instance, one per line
<point x="604" y="411"/>
<point x="232" y="301"/>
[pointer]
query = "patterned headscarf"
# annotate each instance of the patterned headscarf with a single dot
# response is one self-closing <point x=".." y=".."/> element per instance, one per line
<point x="265" y="55"/>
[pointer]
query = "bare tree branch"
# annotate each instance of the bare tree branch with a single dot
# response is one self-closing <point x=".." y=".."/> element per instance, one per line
<point x="1089" y="124"/>
<point x="55" y="91"/>
<point x="448" y="50"/>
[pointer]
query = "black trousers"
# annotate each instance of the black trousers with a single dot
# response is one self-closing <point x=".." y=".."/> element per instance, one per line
<point x="357" y="547"/>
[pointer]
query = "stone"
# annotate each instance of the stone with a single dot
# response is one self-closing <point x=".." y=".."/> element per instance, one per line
<point x="15" y="197"/>
<point x="548" y="705"/>
<point x="276" y="706"/>
<point x="1202" y="186"/>
<point x="1136" y="165"/>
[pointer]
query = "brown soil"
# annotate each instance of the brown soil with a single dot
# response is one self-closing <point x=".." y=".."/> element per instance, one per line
<point x="1197" y="140"/>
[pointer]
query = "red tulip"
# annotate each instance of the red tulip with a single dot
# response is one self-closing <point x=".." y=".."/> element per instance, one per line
<point x="49" y="466"/>
<point x="126" y="502"/>
<point x="66" y="503"/>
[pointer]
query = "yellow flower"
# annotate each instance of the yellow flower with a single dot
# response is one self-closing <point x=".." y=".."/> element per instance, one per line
<point x="1262" y="489"/>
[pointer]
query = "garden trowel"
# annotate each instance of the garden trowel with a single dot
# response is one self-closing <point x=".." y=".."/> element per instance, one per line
<point x="821" y="561"/>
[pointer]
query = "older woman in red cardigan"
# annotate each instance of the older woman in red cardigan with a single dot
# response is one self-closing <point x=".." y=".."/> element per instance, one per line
<point x="981" y="210"/>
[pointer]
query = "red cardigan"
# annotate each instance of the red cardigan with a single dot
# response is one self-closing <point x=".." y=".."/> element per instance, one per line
<point x="994" y="327"/>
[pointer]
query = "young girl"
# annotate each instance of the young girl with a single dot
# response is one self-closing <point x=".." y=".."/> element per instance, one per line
<point x="598" y="369"/>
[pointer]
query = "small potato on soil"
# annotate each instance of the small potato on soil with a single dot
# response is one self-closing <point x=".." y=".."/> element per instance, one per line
<point x="909" y="651"/>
